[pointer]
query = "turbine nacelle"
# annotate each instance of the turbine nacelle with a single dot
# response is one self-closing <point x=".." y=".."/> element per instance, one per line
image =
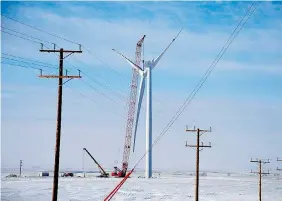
<point x="143" y="71"/>
<point x="150" y="64"/>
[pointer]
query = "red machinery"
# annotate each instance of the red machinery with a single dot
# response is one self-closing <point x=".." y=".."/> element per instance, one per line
<point x="131" y="113"/>
<point x="117" y="172"/>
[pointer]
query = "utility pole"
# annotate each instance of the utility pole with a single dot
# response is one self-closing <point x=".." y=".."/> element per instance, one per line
<point x="59" y="109"/>
<point x="198" y="146"/>
<point x="279" y="169"/>
<point x="21" y="163"/>
<point x="260" y="173"/>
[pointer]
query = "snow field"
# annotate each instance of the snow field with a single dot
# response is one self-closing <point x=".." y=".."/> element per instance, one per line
<point x="169" y="188"/>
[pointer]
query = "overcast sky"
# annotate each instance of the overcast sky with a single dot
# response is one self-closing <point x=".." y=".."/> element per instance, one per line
<point x="241" y="100"/>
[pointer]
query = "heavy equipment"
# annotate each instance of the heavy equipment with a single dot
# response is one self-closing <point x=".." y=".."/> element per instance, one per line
<point x="67" y="174"/>
<point x="103" y="173"/>
<point x="131" y="113"/>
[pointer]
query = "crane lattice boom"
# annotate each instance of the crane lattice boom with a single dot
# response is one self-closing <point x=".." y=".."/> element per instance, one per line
<point x="132" y="108"/>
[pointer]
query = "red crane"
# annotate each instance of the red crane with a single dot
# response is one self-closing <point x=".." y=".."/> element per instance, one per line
<point x="131" y="112"/>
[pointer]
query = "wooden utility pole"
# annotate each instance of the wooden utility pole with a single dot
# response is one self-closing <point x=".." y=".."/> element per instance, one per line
<point x="260" y="173"/>
<point x="59" y="109"/>
<point x="198" y="146"/>
<point x="21" y="163"/>
<point x="279" y="169"/>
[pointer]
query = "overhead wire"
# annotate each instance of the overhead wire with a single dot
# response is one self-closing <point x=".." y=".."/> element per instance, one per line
<point x="24" y="34"/>
<point x="69" y="63"/>
<point x="93" y="100"/>
<point x="33" y="27"/>
<point x="55" y="68"/>
<point x="191" y="95"/>
<point x="18" y="65"/>
<point x="106" y="65"/>
<point x="211" y="67"/>
<point x="10" y="55"/>
<point x="62" y="38"/>
<point x="77" y="92"/>
<point x="82" y="46"/>
<point x="104" y="86"/>
<point x="19" y="36"/>
<point x="88" y="50"/>
<point x="91" y="86"/>
<point x="25" y="38"/>
<point x="95" y="80"/>
<point x="30" y="40"/>
<point x="44" y="66"/>
<point x="204" y="78"/>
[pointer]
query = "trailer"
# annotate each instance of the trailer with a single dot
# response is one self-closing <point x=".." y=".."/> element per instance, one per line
<point x="43" y="174"/>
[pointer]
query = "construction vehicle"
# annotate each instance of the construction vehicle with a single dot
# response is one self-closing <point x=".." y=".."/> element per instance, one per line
<point x="102" y="171"/>
<point x="67" y="174"/>
<point x="131" y="113"/>
<point x="117" y="172"/>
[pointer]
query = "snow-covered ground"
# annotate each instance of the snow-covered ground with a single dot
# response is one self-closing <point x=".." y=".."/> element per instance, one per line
<point x="213" y="187"/>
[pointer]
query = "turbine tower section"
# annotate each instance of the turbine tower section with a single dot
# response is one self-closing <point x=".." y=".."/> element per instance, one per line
<point x="149" y="166"/>
<point x="132" y="107"/>
<point x="145" y="72"/>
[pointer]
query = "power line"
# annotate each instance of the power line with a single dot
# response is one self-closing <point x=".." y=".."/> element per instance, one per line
<point x="209" y="70"/>
<point x="92" y="100"/>
<point x="28" y="59"/>
<point x="88" y="50"/>
<point x="32" y="40"/>
<point x="188" y="100"/>
<point x="44" y="66"/>
<point x="48" y="48"/>
<point x="18" y="65"/>
<point x="19" y="36"/>
<point x="97" y="82"/>
<point x="204" y="78"/>
<point x="201" y="82"/>
<point x="57" y="68"/>
<point x="104" y="86"/>
<point x="113" y="92"/>
<point x="40" y="30"/>
<point x="77" y="92"/>
<point x="26" y="35"/>
<point x="94" y="55"/>
<point x="26" y="38"/>
<point x="91" y="86"/>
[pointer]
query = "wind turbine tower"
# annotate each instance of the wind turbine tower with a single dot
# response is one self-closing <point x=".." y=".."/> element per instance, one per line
<point x="145" y="72"/>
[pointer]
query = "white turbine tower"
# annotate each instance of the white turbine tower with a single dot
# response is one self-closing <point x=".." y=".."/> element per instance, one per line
<point x="146" y="72"/>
